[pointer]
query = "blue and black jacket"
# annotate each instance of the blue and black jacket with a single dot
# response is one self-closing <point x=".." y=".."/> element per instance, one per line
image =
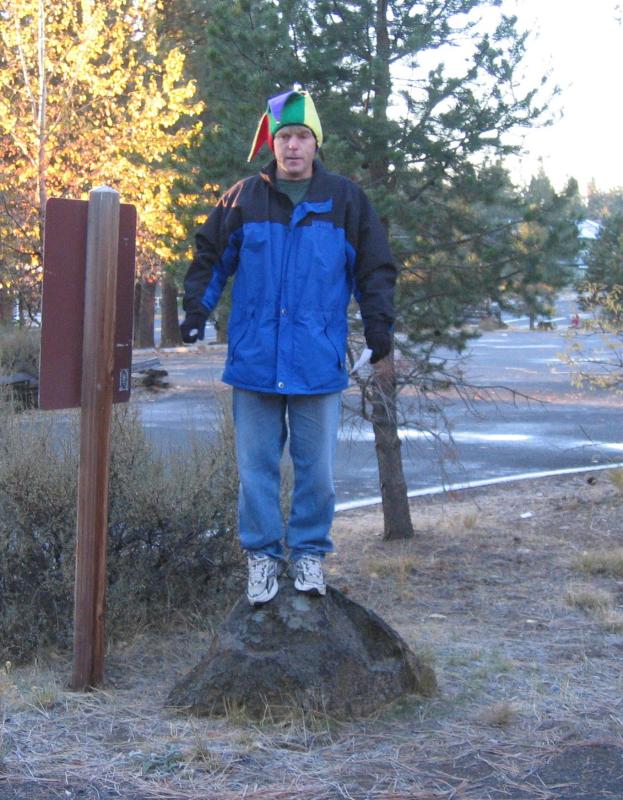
<point x="295" y="269"/>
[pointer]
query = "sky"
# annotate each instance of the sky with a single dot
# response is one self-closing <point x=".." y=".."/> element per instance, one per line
<point x="580" y="43"/>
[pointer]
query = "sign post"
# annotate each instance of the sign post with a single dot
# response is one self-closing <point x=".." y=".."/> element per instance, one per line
<point x="86" y="346"/>
<point x="96" y="411"/>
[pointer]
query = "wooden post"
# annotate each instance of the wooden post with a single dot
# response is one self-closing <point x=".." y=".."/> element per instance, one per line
<point x="95" y="420"/>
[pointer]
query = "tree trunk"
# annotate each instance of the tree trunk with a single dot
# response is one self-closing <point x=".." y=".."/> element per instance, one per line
<point x="169" y="322"/>
<point x="22" y="310"/>
<point x="220" y="323"/>
<point x="144" y="309"/>
<point x="396" y="514"/>
<point x="136" y="309"/>
<point x="7" y="304"/>
<point x="42" y="190"/>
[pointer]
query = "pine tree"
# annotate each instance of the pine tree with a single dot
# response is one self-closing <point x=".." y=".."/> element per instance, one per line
<point x="412" y="137"/>
<point x="605" y="256"/>
<point x="412" y="131"/>
<point x="601" y="203"/>
<point x="546" y="245"/>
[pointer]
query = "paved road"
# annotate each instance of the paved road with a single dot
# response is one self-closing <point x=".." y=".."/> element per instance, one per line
<point x="559" y="428"/>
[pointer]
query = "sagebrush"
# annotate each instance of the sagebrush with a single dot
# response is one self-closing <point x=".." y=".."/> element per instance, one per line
<point x="172" y="543"/>
<point x="19" y="349"/>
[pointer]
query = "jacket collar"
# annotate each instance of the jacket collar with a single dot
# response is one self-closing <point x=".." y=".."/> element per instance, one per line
<point x="319" y="198"/>
<point x="268" y="173"/>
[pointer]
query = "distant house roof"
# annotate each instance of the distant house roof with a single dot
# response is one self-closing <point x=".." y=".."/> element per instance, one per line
<point x="589" y="229"/>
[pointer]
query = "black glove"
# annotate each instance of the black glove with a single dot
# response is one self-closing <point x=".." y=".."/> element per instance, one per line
<point x="379" y="340"/>
<point x="193" y="327"/>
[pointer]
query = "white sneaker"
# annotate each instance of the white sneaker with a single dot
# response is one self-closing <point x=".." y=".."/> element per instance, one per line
<point x="309" y="576"/>
<point x="262" y="585"/>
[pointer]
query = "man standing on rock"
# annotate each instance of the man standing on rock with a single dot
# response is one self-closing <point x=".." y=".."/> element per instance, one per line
<point x="298" y="241"/>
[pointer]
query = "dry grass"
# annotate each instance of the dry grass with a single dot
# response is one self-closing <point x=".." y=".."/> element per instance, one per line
<point x="171" y="527"/>
<point x="19" y="349"/>
<point x="599" y="604"/>
<point x="469" y="520"/>
<point x="602" y="562"/>
<point x="588" y="598"/>
<point x="527" y="659"/>
<point x="399" y="567"/>
<point x="615" y="476"/>
<point x="499" y="714"/>
<point x="612" y="620"/>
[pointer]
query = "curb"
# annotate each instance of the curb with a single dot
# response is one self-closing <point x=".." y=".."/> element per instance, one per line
<point x="364" y="502"/>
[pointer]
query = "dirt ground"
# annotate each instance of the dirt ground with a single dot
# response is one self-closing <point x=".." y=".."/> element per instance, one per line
<point x="513" y="593"/>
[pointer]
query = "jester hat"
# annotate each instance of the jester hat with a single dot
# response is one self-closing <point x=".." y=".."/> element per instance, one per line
<point x="289" y="108"/>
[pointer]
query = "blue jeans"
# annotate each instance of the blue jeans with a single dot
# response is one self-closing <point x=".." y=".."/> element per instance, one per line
<point x="262" y="423"/>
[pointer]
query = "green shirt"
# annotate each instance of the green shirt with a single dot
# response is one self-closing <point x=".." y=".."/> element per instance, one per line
<point x="295" y="190"/>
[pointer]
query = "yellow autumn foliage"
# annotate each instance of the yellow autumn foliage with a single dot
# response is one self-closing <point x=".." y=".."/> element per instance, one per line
<point x="88" y="97"/>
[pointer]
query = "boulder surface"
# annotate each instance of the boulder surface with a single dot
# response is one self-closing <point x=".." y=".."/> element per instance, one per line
<point x="301" y="652"/>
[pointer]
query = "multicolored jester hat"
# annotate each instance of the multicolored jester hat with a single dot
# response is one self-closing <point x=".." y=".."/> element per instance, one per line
<point x="289" y="108"/>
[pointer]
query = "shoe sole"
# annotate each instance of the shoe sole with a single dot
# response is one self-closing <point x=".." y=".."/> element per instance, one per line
<point x="255" y="601"/>
<point x="311" y="590"/>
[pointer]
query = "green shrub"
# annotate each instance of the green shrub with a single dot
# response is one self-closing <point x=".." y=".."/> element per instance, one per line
<point x="172" y="544"/>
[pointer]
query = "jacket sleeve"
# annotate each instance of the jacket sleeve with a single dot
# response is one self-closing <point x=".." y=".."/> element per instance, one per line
<point x="217" y="244"/>
<point x="375" y="269"/>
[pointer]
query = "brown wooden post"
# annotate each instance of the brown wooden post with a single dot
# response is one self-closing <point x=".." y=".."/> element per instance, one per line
<point x="95" y="420"/>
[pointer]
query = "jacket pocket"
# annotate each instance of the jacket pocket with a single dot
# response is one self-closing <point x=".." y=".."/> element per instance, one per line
<point x="336" y="339"/>
<point x="238" y="329"/>
<point x="319" y="345"/>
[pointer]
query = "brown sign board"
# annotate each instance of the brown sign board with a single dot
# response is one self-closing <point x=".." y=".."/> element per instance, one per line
<point x="62" y="318"/>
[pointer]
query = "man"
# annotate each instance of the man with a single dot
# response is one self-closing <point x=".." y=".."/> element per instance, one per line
<point x="298" y="241"/>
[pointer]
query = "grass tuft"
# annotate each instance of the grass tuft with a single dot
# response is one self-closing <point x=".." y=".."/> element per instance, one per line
<point x="615" y="476"/>
<point x="612" y="620"/>
<point x="400" y="567"/>
<point x="469" y="520"/>
<point x="588" y="598"/>
<point x="499" y="714"/>
<point x="602" y="562"/>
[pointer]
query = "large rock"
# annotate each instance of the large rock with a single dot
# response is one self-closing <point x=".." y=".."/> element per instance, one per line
<point x="303" y="652"/>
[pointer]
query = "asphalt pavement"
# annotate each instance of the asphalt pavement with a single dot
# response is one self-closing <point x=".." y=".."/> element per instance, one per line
<point x="523" y="417"/>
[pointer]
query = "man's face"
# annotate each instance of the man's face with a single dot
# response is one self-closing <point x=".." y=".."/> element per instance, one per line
<point x="295" y="150"/>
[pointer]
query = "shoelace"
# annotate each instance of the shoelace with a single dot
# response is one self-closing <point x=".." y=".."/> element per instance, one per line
<point x="311" y="568"/>
<point x="258" y="569"/>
